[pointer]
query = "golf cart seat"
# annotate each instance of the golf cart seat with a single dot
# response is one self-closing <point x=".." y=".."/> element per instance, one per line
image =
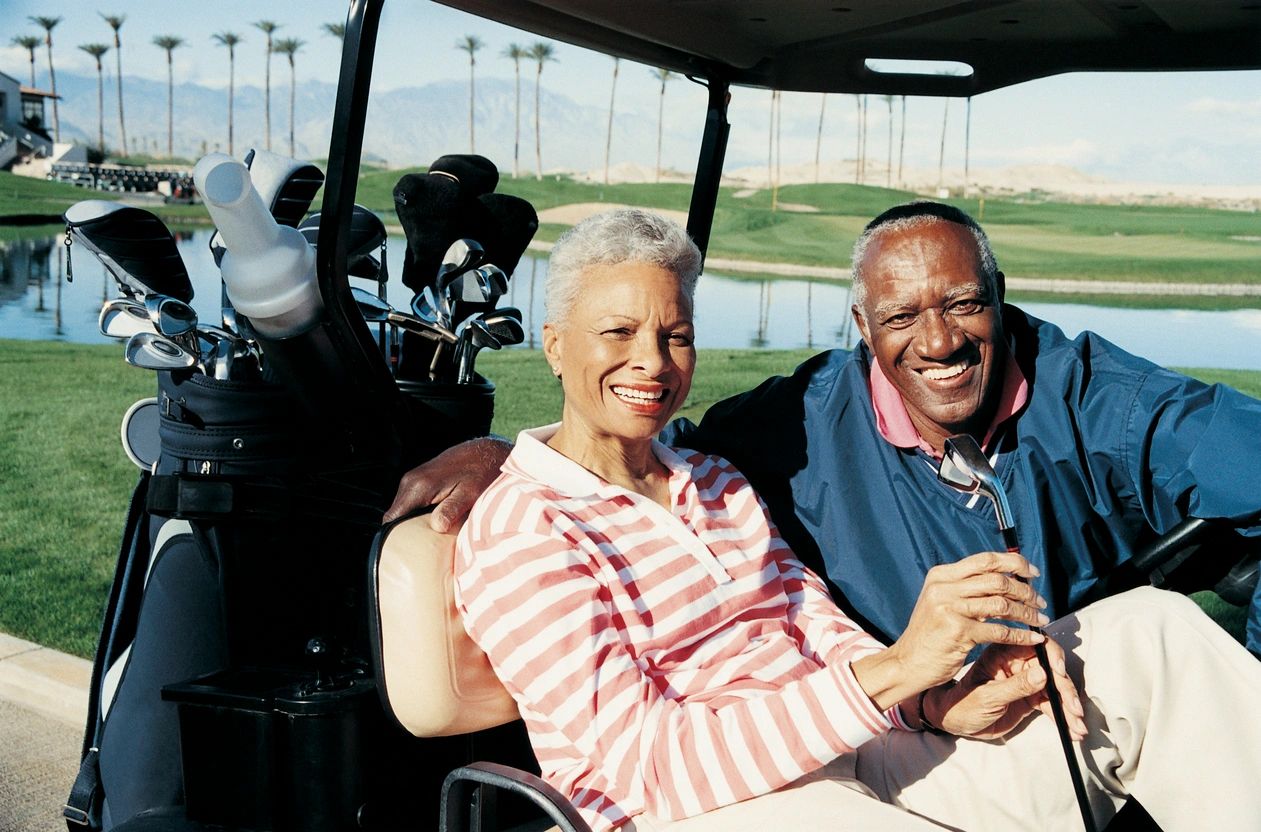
<point x="435" y="681"/>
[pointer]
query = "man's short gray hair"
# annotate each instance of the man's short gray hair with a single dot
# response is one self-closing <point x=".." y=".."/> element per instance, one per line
<point x="916" y="215"/>
<point x="627" y="235"/>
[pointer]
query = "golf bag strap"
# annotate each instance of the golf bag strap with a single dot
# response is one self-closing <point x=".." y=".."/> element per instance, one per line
<point x="82" y="809"/>
<point x="83" y="805"/>
<point x="201" y="497"/>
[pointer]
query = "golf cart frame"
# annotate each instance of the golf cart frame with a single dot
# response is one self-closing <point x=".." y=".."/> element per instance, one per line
<point x="657" y="32"/>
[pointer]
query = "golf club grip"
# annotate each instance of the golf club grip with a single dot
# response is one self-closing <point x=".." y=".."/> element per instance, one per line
<point x="1057" y="710"/>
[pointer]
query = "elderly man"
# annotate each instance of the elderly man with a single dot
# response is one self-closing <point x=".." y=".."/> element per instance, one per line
<point x="1099" y="450"/>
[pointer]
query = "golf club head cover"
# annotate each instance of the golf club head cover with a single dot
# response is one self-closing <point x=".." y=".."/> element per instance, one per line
<point x="515" y="222"/>
<point x="476" y="175"/>
<point x="428" y="208"/>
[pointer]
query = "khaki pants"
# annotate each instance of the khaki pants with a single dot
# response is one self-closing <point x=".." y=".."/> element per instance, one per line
<point x="1170" y="702"/>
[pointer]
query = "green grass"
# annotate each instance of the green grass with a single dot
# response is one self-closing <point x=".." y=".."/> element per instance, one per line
<point x="65" y="483"/>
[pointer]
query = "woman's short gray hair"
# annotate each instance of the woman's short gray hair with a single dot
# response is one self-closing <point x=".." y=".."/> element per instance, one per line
<point x="915" y="215"/>
<point x="627" y="235"/>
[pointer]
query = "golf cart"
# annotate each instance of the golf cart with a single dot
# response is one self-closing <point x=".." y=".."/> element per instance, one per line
<point x="280" y="725"/>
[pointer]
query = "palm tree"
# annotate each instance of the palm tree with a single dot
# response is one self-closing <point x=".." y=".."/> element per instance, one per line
<point x="267" y="27"/>
<point x="888" y="171"/>
<point x="902" y="142"/>
<point x="115" y="22"/>
<point x="664" y="76"/>
<point x="289" y="47"/>
<point x="770" y="146"/>
<point x="941" y="158"/>
<point x="777" y="109"/>
<point x="337" y="30"/>
<point x="516" y="52"/>
<point x="30" y="43"/>
<point x="818" y="139"/>
<point x="541" y="53"/>
<point x="96" y="50"/>
<point x="170" y="43"/>
<point x="230" y="40"/>
<point x="967" y="145"/>
<point x="470" y="44"/>
<point x="858" y="151"/>
<point x="608" y="138"/>
<point x="48" y="24"/>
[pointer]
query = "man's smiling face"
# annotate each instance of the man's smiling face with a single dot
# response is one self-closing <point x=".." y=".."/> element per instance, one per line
<point x="932" y="321"/>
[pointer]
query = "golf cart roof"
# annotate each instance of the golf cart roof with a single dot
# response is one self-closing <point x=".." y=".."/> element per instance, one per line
<point x="823" y="45"/>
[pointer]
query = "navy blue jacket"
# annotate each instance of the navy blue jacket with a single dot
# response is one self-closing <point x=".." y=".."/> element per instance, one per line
<point x="1109" y="452"/>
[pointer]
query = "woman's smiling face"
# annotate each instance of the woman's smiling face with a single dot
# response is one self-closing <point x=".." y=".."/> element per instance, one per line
<point x="624" y="351"/>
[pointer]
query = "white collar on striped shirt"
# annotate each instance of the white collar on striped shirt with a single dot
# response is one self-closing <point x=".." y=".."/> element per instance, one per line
<point x="534" y="459"/>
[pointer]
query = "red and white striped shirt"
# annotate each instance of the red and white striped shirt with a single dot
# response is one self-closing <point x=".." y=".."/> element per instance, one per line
<point x="668" y="661"/>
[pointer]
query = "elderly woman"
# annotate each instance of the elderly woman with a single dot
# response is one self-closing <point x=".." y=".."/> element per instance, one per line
<point x="678" y="668"/>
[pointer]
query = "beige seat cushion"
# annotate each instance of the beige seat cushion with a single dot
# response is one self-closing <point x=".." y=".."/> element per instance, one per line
<point x="435" y="679"/>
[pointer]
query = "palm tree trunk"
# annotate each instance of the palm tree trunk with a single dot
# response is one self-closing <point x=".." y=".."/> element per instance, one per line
<point x="472" y="138"/>
<point x="231" y="96"/>
<point x="100" y="108"/>
<point x="267" y="94"/>
<point x="967" y="146"/>
<point x="858" y="147"/>
<point x="608" y="139"/>
<point x="118" y="63"/>
<point x="516" y="139"/>
<point x="538" y="130"/>
<point x="941" y="157"/>
<point x="661" y="110"/>
<point x="902" y="142"/>
<point x="818" y="139"/>
<point x="770" y="148"/>
<point x="293" y="85"/>
<point x="32" y="69"/>
<point x="779" y="145"/>
<point x="888" y="171"/>
<point x="52" y="79"/>
<point x="170" y="107"/>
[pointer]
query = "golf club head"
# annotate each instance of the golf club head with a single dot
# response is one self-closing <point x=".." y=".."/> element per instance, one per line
<point x="373" y="309"/>
<point x="475" y="336"/>
<point x="506" y="329"/>
<point x="493" y="281"/>
<point x="133" y="245"/>
<point x="173" y="318"/>
<point x="122" y="318"/>
<point x="965" y="467"/>
<point x="506" y="311"/>
<point x="462" y="255"/>
<point x="151" y="351"/>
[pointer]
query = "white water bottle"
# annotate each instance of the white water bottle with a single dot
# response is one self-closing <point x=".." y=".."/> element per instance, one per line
<point x="268" y="268"/>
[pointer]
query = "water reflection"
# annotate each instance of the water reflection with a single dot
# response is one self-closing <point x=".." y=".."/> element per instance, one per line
<point x="730" y="312"/>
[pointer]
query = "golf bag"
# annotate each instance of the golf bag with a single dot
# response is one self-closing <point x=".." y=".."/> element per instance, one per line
<point x="231" y="683"/>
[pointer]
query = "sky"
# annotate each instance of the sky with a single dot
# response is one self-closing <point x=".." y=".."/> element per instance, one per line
<point x="1183" y="128"/>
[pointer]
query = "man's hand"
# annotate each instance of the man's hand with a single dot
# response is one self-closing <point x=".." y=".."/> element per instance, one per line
<point x="1000" y="690"/>
<point x="956" y="611"/>
<point x="452" y="481"/>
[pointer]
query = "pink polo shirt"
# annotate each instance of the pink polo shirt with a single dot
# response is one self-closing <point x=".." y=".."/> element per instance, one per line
<point x="895" y="424"/>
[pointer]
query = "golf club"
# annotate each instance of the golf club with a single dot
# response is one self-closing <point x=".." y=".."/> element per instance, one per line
<point x="965" y="467"/>
<point x="474" y="337"/>
<point x="122" y="318"/>
<point x="151" y="351"/>
<point x="173" y="318"/>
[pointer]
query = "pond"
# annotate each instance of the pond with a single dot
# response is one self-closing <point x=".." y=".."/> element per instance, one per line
<point x="37" y="303"/>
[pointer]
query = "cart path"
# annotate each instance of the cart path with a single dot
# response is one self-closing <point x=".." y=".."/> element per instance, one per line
<point x="43" y="702"/>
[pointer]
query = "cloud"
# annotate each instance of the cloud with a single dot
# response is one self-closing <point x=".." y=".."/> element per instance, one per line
<point x="1226" y="107"/>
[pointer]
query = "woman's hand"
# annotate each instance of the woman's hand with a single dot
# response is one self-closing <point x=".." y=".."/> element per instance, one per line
<point x="951" y="617"/>
<point x="1000" y="690"/>
<point x="953" y="614"/>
